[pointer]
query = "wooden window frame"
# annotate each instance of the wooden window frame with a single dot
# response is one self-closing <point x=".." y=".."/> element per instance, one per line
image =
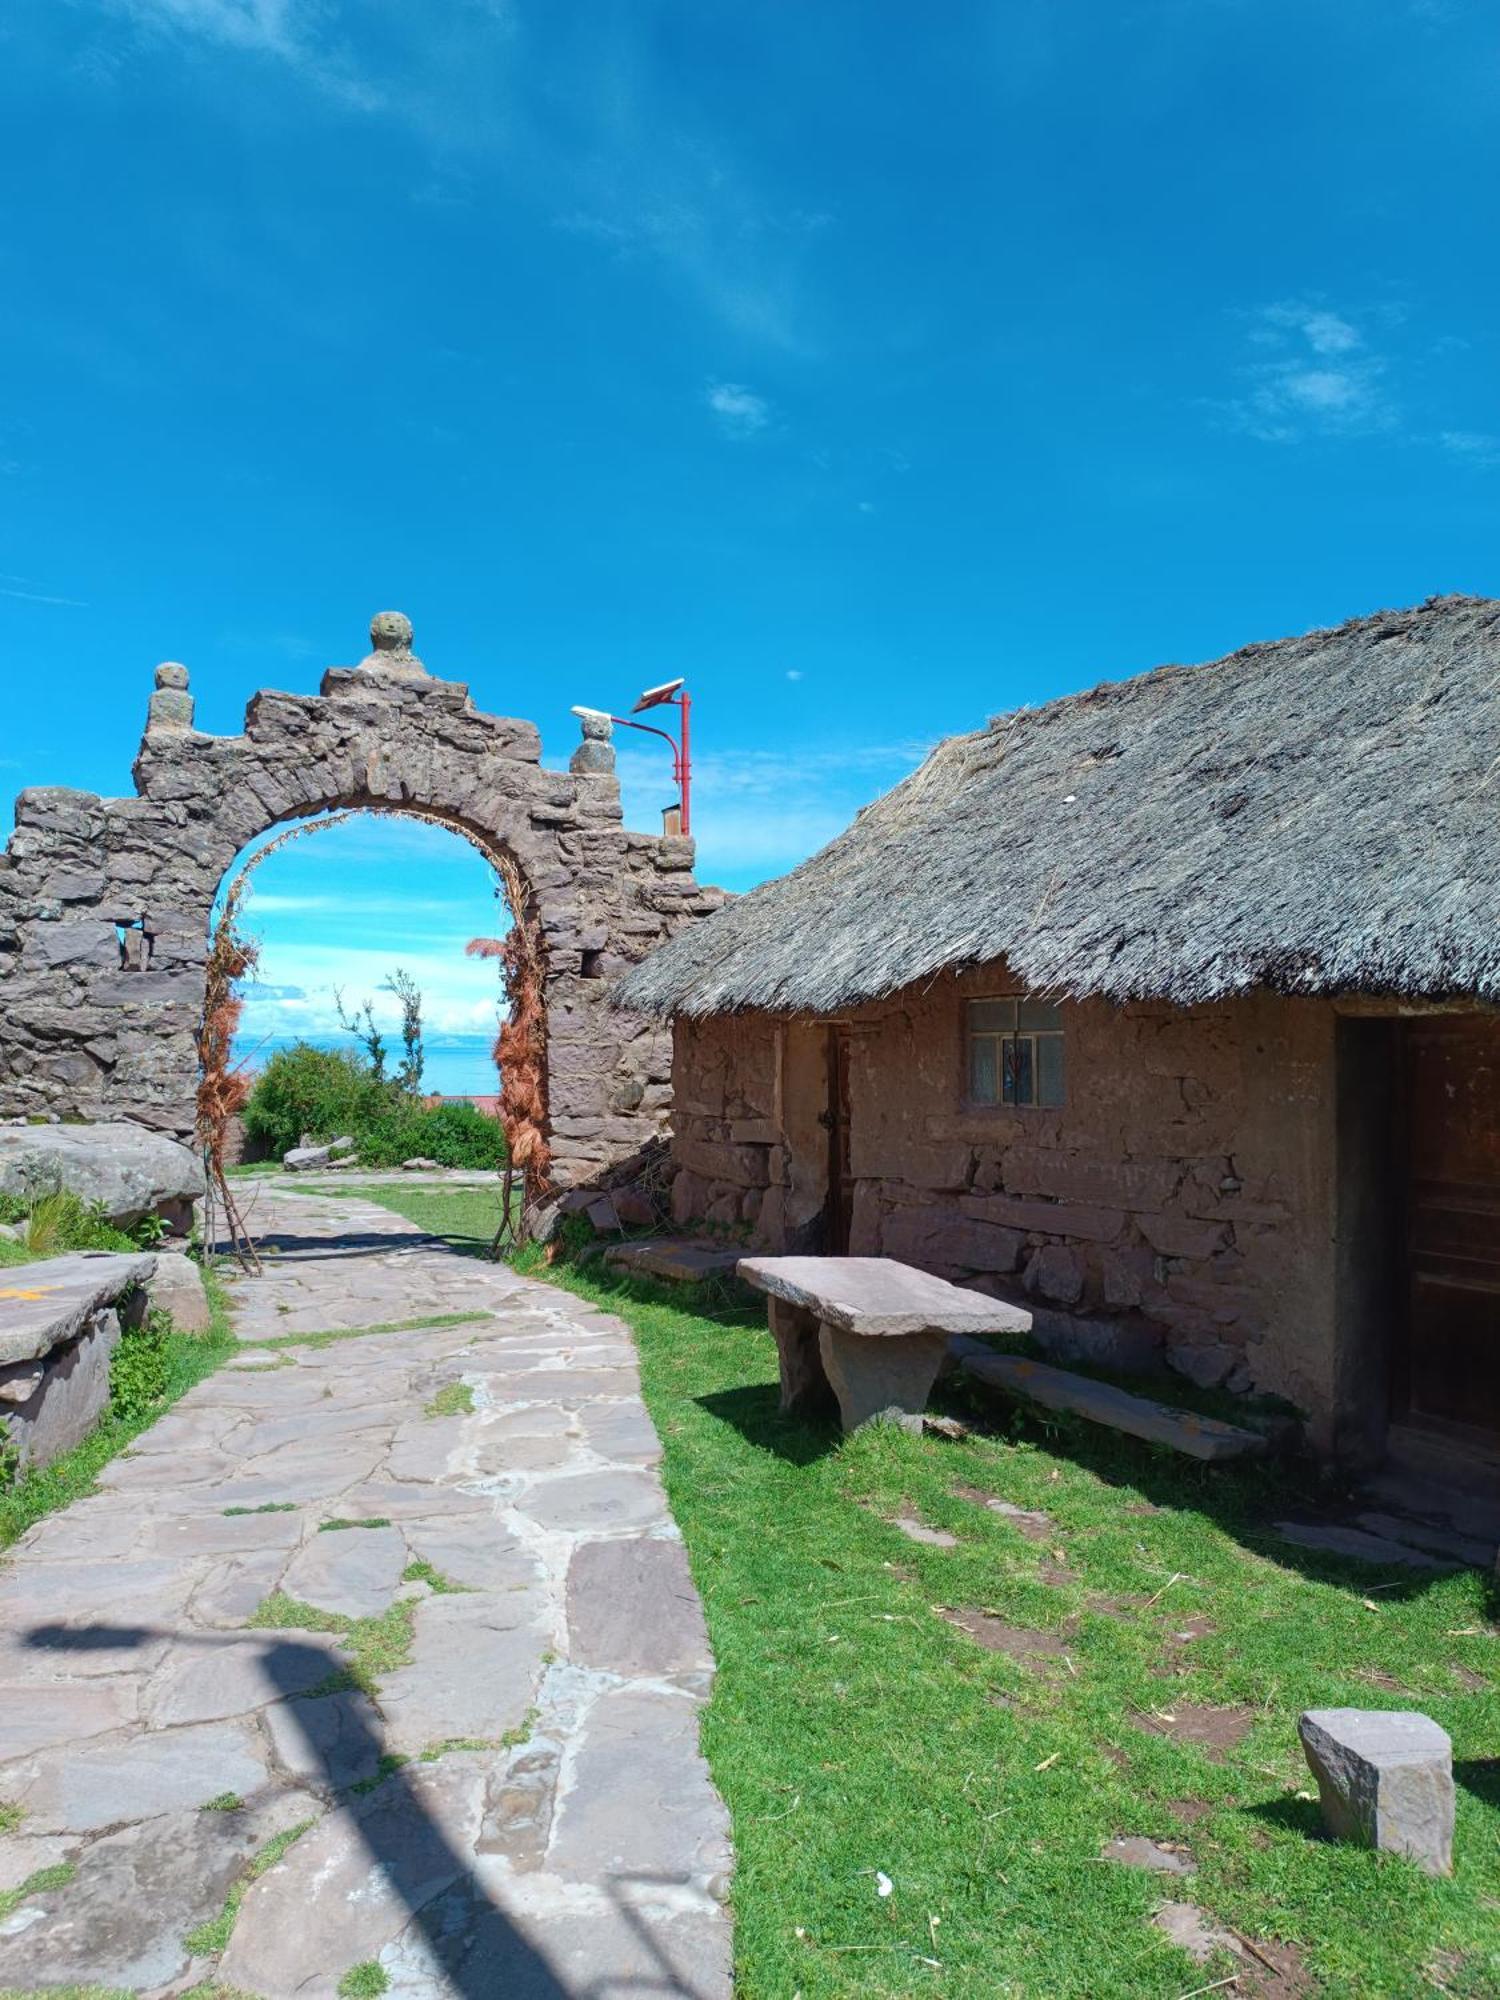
<point x="1018" y="1035"/>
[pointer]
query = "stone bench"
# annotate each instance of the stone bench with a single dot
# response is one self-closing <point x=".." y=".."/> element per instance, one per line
<point x="58" y="1328"/>
<point x="865" y="1333"/>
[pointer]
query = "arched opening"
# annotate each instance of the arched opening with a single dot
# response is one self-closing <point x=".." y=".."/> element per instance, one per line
<point x="391" y="944"/>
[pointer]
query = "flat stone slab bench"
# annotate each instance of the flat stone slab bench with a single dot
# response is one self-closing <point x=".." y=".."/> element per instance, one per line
<point x="58" y="1328"/>
<point x="866" y="1334"/>
<point x="1102" y="1403"/>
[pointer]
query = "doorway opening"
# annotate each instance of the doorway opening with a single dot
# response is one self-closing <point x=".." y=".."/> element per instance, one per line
<point x="1447" y="1373"/>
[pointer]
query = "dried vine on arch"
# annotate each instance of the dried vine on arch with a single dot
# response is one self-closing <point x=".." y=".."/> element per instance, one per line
<point x="521" y="1045"/>
<point x="223" y="1087"/>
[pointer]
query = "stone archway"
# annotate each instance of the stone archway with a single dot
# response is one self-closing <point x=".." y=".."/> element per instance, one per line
<point x="105" y="903"/>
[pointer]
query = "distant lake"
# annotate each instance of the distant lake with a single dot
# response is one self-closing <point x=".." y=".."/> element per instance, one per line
<point x="456" y="1065"/>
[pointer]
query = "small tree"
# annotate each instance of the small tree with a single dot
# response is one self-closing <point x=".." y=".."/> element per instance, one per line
<point x="409" y="996"/>
<point x="361" y="1024"/>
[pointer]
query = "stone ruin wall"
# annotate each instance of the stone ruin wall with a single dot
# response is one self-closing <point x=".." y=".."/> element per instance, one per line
<point x="1180" y="1206"/>
<point x="105" y="904"/>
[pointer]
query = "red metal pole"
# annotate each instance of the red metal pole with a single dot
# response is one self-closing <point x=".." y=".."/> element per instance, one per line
<point x="685" y="778"/>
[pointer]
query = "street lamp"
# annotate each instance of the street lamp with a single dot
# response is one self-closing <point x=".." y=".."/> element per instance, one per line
<point x="671" y="694"/>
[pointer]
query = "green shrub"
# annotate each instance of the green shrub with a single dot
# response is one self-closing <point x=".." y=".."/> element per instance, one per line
<point x="139" y="1368"/>
<point x="329" y="1094"/>
<point x="455" y="1135"/>
<point x="325" y="1092"/>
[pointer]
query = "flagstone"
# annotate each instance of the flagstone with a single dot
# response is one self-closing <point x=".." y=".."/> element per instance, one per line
<point x="133" y="1696"/>
<point x="138" y="1777"/>
<point x="352" y="1571"/>
<point x="613" y="1499"/>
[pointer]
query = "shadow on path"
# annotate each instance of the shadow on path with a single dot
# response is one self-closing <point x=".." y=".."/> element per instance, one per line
<point x="410" y="1849"/>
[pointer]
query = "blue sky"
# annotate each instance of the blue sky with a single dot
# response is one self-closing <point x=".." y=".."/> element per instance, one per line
<point x="877" y="367"/>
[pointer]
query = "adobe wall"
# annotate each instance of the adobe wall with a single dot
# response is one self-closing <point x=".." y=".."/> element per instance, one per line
<point x="105" y="904"/>
<point x="1181" y="1204"/>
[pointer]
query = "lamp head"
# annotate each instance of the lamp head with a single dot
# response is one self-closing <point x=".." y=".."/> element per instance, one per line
<point x="656" y="697"/>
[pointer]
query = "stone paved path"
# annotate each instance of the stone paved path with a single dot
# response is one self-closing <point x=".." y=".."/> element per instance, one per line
<point x="520" y="1598"/>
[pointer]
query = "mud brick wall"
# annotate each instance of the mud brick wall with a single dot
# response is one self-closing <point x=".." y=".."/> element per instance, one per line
<point x="1181" y="1205"/>
<point x="105" y="903"/>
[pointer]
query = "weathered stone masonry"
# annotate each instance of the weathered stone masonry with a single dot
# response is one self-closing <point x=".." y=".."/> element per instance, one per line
<point x="105" y="903"/>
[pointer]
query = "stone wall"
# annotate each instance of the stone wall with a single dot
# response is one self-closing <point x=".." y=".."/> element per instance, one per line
<point x="1181" y="1205"/>
<point x="105" y="903"/>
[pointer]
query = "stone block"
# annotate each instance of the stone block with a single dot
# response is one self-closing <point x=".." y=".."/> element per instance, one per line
<point x="934" y="1236"/>
<point x="129" y="1171"/>
<point x="1385" y="1779"/>
<point x="1057" y="1273"/>
<point x="1208" y="1363"/>
<point x="881" y="1381"/>
<point x="176" y="1288"/>
<point x="1074" y="1220"/>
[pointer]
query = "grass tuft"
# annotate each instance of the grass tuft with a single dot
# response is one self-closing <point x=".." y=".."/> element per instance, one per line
<point x="56" y="1877"/>
<point x="371" y="1521"/>
<point x="365" y="1981"/>
<point x="265" y="1507"/>
<point x="225" y="1802"/>
<point x="372" y="1647"/>
<point x="210" y="1940"/>
<point x="454" y="1399"/>
<point x="419" y="1570"/>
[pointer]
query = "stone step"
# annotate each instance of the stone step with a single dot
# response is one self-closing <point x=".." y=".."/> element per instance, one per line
<point x="1336" y="1538"/>
<point x="682" y="1259"/>
<point x="1102" y="1403"/>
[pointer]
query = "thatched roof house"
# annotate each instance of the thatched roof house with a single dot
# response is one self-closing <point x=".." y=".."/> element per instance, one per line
<point x="1315" y="816"/>
<point x="1166" y="1009"/>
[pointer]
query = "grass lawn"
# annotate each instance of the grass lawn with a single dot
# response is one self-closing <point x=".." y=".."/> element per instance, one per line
<point x="861" y="1736"/>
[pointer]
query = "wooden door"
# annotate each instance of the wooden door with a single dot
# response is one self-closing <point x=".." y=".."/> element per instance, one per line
<point x="1452" y="1121"/>
<point x="840" y="1210"/>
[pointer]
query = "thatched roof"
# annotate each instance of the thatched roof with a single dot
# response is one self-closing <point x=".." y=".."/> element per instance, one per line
<point x="1318" y="815"/>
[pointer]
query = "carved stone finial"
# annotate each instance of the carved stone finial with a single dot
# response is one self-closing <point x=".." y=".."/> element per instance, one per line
<point x="171" y="707"/>
<point x="595" y="755"/>
<point x="390" y="641"/>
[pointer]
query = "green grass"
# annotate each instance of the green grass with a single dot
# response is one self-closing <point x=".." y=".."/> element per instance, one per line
<point x="265" y="1507"/>
<point x="465" y="1218"/>
<point x="11" y="1816"/>
<point x="852" y="1729"/>
<point x="210" y="1940"/>
<point x="373" y="1647"/>
<point x="56" y="1877"/>
<point x="327" y="1337"/>
<point x="419" y="1570"/>
<point x="365" y="1981"/>
<point x="454" y="1399"/>
<point x="336" y="1526"/>
<point x="188" y="1358"/>
<point x="224" y="1803"/>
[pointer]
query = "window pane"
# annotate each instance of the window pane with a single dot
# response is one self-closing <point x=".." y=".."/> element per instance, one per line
<point x="1049" y="1069"/>
<point x="984" y="1080"/>
<point x="991" y="1017"/>
<point x="1040" y="1017"/>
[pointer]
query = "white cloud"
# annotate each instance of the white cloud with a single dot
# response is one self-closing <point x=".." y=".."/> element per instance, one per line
<point x="794" y="673"/>
<point x="759" y="812"/>
<point x="9" y="587"/>
<point x="1479" y="447"/>
<point x="1319" y="377"/>
<point x="740" y="411"/>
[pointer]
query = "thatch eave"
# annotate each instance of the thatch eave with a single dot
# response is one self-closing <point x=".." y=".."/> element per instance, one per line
<point x="1313" y="816"/>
